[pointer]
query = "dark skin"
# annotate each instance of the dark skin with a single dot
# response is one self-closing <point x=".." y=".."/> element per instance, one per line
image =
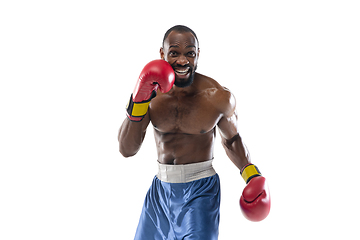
<point x="185" y="118"/>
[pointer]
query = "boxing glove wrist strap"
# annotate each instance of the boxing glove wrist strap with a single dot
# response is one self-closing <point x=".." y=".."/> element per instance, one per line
<point x="136" y="111"/>
<point x="249" y="172"/>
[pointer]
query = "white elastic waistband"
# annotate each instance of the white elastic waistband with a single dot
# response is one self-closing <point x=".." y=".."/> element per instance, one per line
<point x="185" y="173"/>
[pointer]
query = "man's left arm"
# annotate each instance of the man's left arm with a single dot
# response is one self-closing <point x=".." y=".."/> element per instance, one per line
<point x="232" y="142"/>
<point x="255" y="199"/>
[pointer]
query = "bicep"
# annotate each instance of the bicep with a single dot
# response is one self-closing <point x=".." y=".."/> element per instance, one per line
<point x="228" y="126"/>
<point x="228" y="122"/>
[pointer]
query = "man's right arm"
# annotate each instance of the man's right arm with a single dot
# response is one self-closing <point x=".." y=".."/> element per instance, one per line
<point x="131" y="135"/>
<point x="157" y="74"/>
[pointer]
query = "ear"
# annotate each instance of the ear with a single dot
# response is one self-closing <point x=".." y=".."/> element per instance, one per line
<point x="198" y="53"/>
<point x="162" y="54"/>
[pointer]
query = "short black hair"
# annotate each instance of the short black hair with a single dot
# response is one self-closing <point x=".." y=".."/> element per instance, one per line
<point x="180" y="29"/>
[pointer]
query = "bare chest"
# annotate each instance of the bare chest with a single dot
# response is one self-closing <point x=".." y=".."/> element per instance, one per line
<point x="190" y="114"/>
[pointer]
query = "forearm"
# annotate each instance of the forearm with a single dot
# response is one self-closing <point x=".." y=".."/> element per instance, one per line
<point x="236" y="151"/>
<point x="131" y="136"/>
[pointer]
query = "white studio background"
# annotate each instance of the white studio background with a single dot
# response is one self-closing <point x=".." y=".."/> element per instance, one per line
<point x="67" y="69"/>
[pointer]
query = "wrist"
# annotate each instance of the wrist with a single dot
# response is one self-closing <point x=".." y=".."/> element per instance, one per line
<point x="136" y="111"/>
<point x="249" y="172"/>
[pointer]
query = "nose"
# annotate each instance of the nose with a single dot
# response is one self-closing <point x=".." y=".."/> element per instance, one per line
<point x="182" y="60"/>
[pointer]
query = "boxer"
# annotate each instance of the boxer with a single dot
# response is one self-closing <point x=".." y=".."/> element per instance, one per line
<point x="184" y="108"/>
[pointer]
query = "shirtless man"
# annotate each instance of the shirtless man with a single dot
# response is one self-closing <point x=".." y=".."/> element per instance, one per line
<point x="183" y="201"/>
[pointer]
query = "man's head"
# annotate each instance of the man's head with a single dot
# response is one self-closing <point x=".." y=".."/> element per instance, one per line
<point x="181" y="49"/>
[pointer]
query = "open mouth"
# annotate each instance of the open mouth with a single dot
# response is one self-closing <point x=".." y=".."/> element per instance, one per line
<point x="182" y="72"/>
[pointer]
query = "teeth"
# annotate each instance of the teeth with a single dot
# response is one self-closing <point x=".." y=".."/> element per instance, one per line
<point x="183" y="72"/>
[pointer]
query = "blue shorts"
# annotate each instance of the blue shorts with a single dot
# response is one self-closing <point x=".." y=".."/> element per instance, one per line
<point x="181" y="211"/>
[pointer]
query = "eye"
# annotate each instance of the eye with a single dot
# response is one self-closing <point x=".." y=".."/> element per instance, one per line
<point x="191" y="54"/>
<point x="173" y="54"/>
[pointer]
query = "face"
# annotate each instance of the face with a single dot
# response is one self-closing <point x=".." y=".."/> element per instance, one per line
<point x="181" y="50"/>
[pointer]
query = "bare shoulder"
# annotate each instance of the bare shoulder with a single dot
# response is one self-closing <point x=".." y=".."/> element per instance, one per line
<point x="220" y="96"/>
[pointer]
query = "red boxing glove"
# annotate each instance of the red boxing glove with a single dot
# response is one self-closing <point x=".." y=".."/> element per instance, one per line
<point x="156" y="74"/>
<point x="255" y="199"/>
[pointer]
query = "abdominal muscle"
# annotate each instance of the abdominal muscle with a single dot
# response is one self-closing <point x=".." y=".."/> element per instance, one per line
<point x="183" y="148"/>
